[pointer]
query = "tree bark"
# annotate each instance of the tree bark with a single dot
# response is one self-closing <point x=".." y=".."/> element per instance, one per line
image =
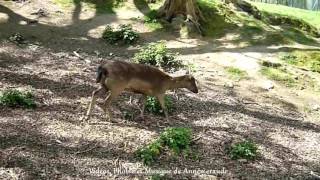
<point x="188" y="8"/>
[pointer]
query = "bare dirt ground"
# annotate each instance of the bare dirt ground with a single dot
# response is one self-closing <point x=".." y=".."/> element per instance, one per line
<point x="50" y="142"/>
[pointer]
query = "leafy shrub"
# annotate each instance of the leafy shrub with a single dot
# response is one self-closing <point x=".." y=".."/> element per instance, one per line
<point x="124" y="33"/>
<point x="176" y="139"/>
<point x="153" y="105"/>
<point x="244" y="150"/>
<point x="150" y="153"/>
<point x="157" y="54"/>
<point x="15" y="98"/>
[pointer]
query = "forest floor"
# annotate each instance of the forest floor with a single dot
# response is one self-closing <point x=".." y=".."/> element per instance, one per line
<point x="51" y="142"/>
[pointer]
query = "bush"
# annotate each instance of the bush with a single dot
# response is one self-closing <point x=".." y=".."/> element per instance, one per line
<point x="157" y="54"/>
<point x="176" y="139"/>
<point x="124" y="33"/>
<point x="15" y="98"/>
<point x="244" y="150"/>
<point x="153" y="105"/>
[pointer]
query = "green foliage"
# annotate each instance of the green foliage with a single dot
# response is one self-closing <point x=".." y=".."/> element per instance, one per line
<point x="157" y="54"/>
<point x="124" y="33"/>
<point x="176" y="139"/>
<point x="279" y="75"/>
<point x="308" y="60"/>
<point x="15" y="98"/>
<point x="153" y="106"/>
<point x="17" y="38"/>
<point x="236" y="73"/>
<point x="244" y="150"/>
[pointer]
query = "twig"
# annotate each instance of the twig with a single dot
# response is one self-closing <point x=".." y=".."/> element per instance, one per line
<point x="314" y="175"/>
<point x="87" y="150"/>
<point x="196" y="139"/>
<point x="78" y="55"/>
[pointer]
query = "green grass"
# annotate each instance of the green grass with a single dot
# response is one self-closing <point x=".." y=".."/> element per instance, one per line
<point x="15" y="98"/>
<point x="244" y="150"/>
<point x="279" y="75"/>
<point x="311" y="17"/>
<point x="236" y="73"/>
<point x="309" y="60"/>
<point x="176" y="139"/>
<point x="100" y="6"/>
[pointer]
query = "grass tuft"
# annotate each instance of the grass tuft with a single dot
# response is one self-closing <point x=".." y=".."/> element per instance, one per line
<point x="279" y="75"/>
<point x="236" y="73"/>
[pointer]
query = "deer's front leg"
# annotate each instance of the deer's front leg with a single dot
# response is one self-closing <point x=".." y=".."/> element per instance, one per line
<point x="144" y="100"/>
<point x="93" y="102"/>
<point x="161" y="100"/>
<point x="107" y="103"/>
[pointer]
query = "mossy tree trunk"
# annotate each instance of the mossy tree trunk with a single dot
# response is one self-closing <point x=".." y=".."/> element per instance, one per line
<point x="188" y="8"/>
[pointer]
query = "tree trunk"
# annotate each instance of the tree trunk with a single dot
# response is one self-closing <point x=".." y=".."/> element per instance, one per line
<point x="188" y="8"/>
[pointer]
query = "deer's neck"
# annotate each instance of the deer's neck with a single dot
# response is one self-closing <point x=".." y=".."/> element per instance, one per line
<point x="176" y="82"/>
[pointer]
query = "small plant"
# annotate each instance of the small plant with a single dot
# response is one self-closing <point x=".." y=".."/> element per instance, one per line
<point x="153" y="106"/>
<point x="176" y="139"/>
<point x="157" y="54"/>
<point x="128" y="115"/>
<point x="244" y="150"/>
<point x="17" y="38"/>
<point x="236" y="73"/>
<point x="15" y="98"/>
<point x="124" y="33"/>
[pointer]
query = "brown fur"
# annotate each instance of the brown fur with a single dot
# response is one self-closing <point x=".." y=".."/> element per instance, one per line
<point x="118" y="76"/>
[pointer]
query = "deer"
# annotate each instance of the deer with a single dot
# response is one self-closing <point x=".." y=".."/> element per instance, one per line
<point x="118" y="76"/>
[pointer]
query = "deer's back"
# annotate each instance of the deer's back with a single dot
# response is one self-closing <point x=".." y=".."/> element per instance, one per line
<point x="135" y="77"/>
